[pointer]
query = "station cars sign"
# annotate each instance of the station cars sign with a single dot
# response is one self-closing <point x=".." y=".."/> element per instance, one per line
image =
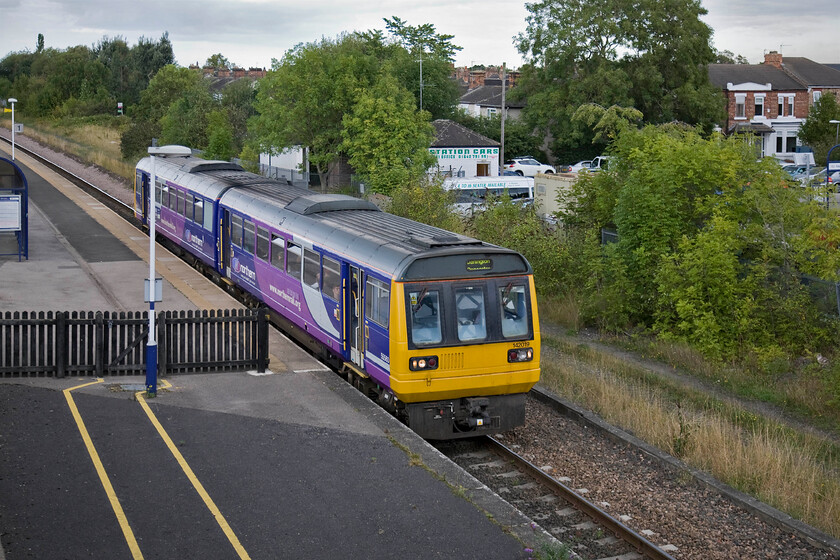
<point x="465" y="153"/>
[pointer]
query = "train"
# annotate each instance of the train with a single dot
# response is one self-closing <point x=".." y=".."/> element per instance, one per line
<point x="440" y="328"/>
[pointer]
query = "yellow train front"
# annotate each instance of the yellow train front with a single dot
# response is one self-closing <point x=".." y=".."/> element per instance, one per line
<point x="464" y="342"/>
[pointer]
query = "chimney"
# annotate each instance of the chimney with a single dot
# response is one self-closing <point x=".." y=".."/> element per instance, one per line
<point x="773" y="58"/>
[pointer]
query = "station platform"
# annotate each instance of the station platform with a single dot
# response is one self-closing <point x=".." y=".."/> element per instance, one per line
<point x="294" y="463"/>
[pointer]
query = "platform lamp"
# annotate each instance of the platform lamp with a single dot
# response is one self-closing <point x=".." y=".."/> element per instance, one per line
<point x="12" y="100"/>
<point x="832" y="121"/>
<point x="154" y="291"/>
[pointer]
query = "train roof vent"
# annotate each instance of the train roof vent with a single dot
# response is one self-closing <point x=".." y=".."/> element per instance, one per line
<point x="441" y="240"/>
<point x="317" y="203"/>
<point x="199" y="165"/>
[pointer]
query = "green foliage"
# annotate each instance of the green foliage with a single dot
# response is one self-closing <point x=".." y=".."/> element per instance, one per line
<point x="508" y="224"/>
<point x="218" y="61"/>
<point x="519" y="137"/>
<point x="185" y="122"/>
<point x="426" y="203"/>
<point x="817" y="132"/>
<point x="238" y="101"/>
<point x="303" y="99"/>
<point x="648" y="55"/>
<point x="137" y="138"/>
<point x="168" y="85"/>
<point x="386" y="139"/>
<point x="250" y="158"/>
<point x="220" y="136"/>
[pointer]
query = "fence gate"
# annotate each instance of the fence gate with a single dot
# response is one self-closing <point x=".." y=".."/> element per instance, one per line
<point x="56" y="344"/>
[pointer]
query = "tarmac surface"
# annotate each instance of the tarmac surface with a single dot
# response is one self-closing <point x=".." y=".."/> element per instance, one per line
<point x="294" y="463"/>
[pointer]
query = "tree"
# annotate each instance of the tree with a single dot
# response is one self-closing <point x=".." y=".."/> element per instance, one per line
<point x="238" y="101"/>
<point x="169" y="84"/>
<point x="219" y="62"/>
<point x="219" y="137"/>
<point x="386" y="138"/>
<point x="186" y="119"/>
<point x="644" y="54"/>
<point x="728" y="57"/>
<point x="817" y="132"/>
<point x="304" y="97"/>
<point x="39" y="45"/>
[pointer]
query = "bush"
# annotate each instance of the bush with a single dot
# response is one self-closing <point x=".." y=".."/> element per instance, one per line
<point x="135" y="141"/>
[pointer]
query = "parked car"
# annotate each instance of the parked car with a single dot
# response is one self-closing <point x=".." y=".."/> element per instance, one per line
<point x="574" y="168"/>
<point x="600" y="162"/>
<point x="527" y="166"/>
<point x="818" y="181"/>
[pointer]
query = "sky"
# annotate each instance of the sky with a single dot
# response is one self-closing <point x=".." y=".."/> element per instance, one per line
<point x="251" y="33"/>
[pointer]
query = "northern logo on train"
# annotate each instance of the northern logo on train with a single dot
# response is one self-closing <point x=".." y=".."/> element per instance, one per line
<point x="193" y="239"/>
<point x="242" y="269"/>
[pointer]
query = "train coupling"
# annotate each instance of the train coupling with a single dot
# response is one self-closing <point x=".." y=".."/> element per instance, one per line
<point x="477" y="412"/>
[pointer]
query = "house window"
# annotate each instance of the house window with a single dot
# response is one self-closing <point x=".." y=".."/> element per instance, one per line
<point x="780" y="143"/>
<point x="740" y="104"/>
<point x="759" y="105"/>
<point x="817" y="96"/>
<point x="790" y="105"/>
<point x="482" y="170"/>
<point x="781" y="106"/>
<point x="791" y="143"/>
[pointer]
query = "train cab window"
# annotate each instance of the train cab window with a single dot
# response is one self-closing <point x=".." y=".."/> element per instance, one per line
<point x="198" y="211"/>
<point x="278" y="251"/>
<point x="377" y="301"/>
<point x="311" y="269"/>
<point x="248" y="236"/>
<point x="262" y="243"/>
<point x="424" y="317"/>
<point x="469" y="308"/>
<point x="294" y="256"/>
<point x="332" y="278"/>
<point x="514" y="302"/>
<point x="189" y="204"/>
<point x="236" y="230"/>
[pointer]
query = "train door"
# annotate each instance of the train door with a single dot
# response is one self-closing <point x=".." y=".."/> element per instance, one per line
<point x="357" y="340"/>
<point x="224" y="241"/>
<point x="141" y="196"/>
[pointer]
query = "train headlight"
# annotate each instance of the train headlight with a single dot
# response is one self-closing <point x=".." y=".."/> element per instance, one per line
<point x="520" y="355"/>
<point x="423" y="363"/>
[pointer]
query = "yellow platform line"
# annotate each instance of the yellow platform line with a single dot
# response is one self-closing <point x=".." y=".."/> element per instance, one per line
<point x="208" y="501"/>
<point x="103" y="476"/>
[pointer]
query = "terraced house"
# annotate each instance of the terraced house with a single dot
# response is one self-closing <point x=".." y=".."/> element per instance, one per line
<point x="772" y="100"/>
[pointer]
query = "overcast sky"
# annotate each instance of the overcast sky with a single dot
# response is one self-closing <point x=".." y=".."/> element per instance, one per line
<point x="252" y="32"/>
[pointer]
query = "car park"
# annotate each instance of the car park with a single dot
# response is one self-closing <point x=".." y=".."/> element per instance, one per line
<point x="527" y="166"/>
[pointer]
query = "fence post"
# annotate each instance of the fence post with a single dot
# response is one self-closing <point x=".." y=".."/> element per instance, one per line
<point x="262" y="339"/>
<point x="163" y="349"/>
<point x="60" y="344"/>
<point x="98" y="344"/>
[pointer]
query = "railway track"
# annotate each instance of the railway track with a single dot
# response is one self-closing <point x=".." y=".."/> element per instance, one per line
<point x="587" y="531"/>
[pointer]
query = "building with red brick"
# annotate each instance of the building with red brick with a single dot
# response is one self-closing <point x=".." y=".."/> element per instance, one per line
<point x="773" y="99"/>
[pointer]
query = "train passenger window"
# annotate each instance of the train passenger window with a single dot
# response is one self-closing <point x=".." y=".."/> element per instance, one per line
<point x="311" y="269"/>
<point x="469" y="307"/>
<point x="294" y="256"/>
<point x="377" y="302"/>
<point x="425" y="317"/>
<point x="236" y="230"/>
<point x="159" y="190"/>
<point x="262" y="243"/>
<point x="182" y="203"/>
<point x="173" y="199"/>
<point x="189" y="204"/>
<point x="514" y="310"/>
<point x="332" y="278"/>
<point x="208" y="215"/>
<point x="248" y="239"/>
<point x="198" y="210"/>
<point x="278" y="251"/>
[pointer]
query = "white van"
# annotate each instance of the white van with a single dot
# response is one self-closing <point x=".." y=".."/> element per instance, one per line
<point x="471" y="194"/>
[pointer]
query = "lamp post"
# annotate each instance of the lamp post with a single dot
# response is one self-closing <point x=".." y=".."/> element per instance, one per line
<point x="832" y="121"/>
<point x="151" y="345"/>
<point x="12" y="100"/>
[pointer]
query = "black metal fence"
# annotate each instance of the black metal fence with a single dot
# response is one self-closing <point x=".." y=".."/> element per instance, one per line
<point x="56" y="344"/>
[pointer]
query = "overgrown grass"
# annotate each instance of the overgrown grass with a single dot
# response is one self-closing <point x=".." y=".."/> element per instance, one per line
<point x="93" y="140"/>
<point x="791" y="470"/>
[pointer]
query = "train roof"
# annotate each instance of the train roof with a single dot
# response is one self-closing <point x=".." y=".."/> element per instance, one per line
<point x="343" y="224"/>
